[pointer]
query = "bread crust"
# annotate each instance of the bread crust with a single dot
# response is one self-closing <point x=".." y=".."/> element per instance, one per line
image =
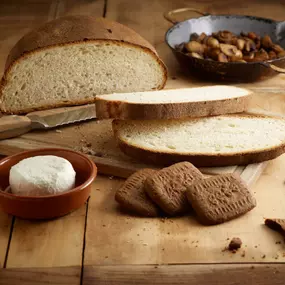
<point x="106" y="109"/>
<point x="199" y="160"/>
<point x="62" y="32"/>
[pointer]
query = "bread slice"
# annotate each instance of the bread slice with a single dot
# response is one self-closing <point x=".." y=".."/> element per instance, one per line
<point x="171" y="104"/>
<point x="70" y="60"/>
<point x="237" y="139"/>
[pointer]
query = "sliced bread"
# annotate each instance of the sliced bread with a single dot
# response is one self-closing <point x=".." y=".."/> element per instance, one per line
<point x="171" y="104"/>
<point x="70" y="60"/>
<point x="211" y="141"/>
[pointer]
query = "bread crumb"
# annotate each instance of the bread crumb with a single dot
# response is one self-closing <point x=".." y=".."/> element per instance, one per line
<point x="235" y="244"/>
<point x="58" y="131"/>
<point x="145" y="244"/>
<point x="263" y="256"/>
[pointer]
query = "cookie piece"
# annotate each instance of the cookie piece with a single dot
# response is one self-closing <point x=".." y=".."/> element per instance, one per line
<point x="235" y="244"/>
<point x="131" y="196"/>
<point x="220" y="198"/>
<point x="167" y="187"/>
<point x="276" y="225"/>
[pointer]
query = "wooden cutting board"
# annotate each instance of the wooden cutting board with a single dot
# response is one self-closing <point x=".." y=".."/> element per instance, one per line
<point x="95" y="138"/>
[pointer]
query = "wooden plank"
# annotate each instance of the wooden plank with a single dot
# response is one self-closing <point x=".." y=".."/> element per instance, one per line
<point x="39" y="276"/>
<point x="5" y="228"/>
<point x="126" y="239"/>
<point x="51" y="243"/>
<point x="222" y="274"/>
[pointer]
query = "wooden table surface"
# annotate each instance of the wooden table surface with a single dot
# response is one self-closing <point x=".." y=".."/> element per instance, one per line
<point x="85" y="247"/>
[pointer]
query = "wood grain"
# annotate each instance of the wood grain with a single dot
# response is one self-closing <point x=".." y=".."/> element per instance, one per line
<point x="39" y="276"/>
<point x="113" y="238"/>
<point x="5" y="227"/>
<point x="222" y="274"/>
<point x="51" y="243"/>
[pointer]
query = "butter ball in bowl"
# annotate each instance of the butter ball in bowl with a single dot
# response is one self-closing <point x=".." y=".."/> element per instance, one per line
<point x="42" y="175"/>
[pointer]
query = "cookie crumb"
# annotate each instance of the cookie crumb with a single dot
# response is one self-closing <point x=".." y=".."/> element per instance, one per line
<point x="145" y="244"/>
<point x="235" y="244"/>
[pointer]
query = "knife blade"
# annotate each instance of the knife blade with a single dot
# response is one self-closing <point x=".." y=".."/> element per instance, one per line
<point x="13" y="125"/>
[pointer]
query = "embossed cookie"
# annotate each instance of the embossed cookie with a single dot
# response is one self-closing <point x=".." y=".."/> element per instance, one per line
<point x="220" y="198"/>
<point x="167" y="187"/>
<point x="132" y="197"/>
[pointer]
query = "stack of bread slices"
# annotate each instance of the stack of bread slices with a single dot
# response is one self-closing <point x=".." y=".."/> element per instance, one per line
<point x="207" y="126"/>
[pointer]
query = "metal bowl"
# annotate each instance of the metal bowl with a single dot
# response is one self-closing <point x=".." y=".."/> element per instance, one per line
<point x="229" y="71"/>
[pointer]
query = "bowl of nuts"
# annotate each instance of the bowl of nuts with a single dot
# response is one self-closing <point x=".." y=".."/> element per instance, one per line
<point x="228" y="47"/>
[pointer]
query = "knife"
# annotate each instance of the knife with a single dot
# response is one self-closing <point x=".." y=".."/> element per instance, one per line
<point x="13" y="125"/>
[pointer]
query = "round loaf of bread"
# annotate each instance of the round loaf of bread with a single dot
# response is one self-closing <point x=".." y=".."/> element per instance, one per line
<point x="72" y="59"/>
<point x="42" y="175"/>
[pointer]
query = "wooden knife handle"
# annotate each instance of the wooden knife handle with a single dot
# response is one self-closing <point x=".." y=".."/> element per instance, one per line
<point x="13" y="126"/>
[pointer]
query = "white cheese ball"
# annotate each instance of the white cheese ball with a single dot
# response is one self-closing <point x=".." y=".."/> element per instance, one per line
<point x="42" y="175"/>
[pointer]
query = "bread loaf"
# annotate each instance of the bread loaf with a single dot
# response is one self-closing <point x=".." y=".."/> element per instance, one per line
<point x="70" y="60"/>
<point x="212" y="141"/>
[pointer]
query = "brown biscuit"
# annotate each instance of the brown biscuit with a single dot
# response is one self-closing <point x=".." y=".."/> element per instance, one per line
<point x="167" y="187"/>
<point x="276" y="225"/>
<point x="220" y="198"/>
<point x="131" y="196"/>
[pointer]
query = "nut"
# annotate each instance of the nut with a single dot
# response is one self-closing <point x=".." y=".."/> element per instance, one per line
<point x="222" y="57"/>
<point x="266" y="42"/>
<point x="212" y="42"/>
<point x="252" y="35"/>
<point x="261" y="55"/>
<point x="238" y="54"/>
<point x="257" y="43"/>
<point x="250" y="45"/>
<point x="228" y="50"/>
<point x="196" y="55"/>
<point x="225" y="37"/>
<point x="180" y="47"/>
<point x="204" y="41"/>
<point x="194" y="46"/>
<point x="277" y="48"/>
<point x="240" y="43"/>
<point x="194" y="37"/>
<point x="201" y="37"/>
<point x="272" y="55"/>
<point x="248" y="57"/>
<point x="281" y="54"/>
<point x="213" y="53"/>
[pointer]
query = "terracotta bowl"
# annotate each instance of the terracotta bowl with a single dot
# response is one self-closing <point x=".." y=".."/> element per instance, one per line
<point x="52" y="206"/>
